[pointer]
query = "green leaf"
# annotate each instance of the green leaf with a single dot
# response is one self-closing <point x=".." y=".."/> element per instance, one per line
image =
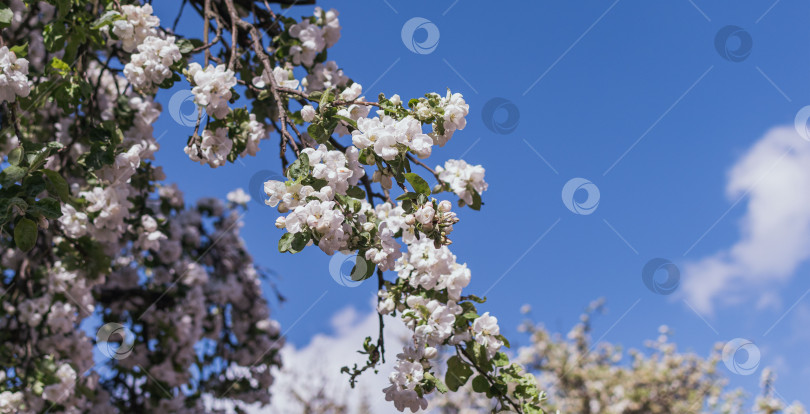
<point x="36" y="159"/>
<point x="501" y="360"/>
<point x="504" y="340"/>
<point x="407" y="205"/>
<point x="458" y="372"/>
<point x="367" y="156"/>
<point x="481" y="358"/>
<point x="12" y="174"/>
<point x="363" y="269"/>
<point x="57" y="185"/>
<point x="480" y="384"/>
<point x="25" y="234"/>
<point x="318" y="133"/>
<point x="60" y="66"/>
<point x="475" y="299"/>
<point x="351" y="203"/>
<point x="284" y="242"/>
<point x="436" y="382"/>
<point x="356" y="192"/>
<point x="54" y="36"/>
<point x="299" y="168"/>
<point x="293" y="242"/>
<point x="15" y="156"/>
<point x="6" y="15"/>
<point x="408" y="196"/>
<point x="418" y="183"/>
<point x="476" y="205"/>
<point x="315" y="96"/>
<point x="326" y="98"/>
<point x="187" y="45"/>
<point x="299" y="241"/>
<point x="349" y="121"/>
<point x="20" y="51"/>
<point x="107" y="19"/>
<point x="471" y="315"/>
<point x="49" y="207"/>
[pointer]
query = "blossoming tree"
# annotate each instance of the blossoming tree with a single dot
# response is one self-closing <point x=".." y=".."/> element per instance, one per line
<point x="586" y="377"/>
<point x="92" y="233"/>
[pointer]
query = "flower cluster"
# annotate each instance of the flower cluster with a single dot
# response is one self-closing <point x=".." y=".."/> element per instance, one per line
<point x="314" y="36"/>
<point x="409" y="371"/>
<point x="153" y="63"/>
<point x="389" y="137"/>
<point x="330" y="23"/>
<point x="154" y="54"/>
<point x="212" y="149"/>
<point x="312" y="210"/>
<point x="212" y="88"/>
<point x="467" y="181"/>
<point x="137" y="24"/>
<point x="324" y="76"/>
<point x="425" y="272"/>
<point x="283" y="77"/>
<point x="454" y="117"/>
<point x="58" y="392"/>
<point x="13" y="76"/>
<point x="256" y="131"/>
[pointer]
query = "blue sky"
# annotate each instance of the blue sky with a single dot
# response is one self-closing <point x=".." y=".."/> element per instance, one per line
<point x="591" y="81"/>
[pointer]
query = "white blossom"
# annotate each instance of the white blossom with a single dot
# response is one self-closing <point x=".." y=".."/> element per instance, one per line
<point x="308" y="113"/>
<point x="213" y="149"/>
<point x="463" y="178"/>
<point x="139" y="23"/>
<point x="383" y="134"/>
<point x="212" y="88"/>
<point x="13" y="76"/>
<point x="238" y="196"/>
<point x="152" y="64"/>
<point x="74" y="223"/>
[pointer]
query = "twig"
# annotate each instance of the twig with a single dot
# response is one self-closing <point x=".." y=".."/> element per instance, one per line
<point x="423" y="165"/>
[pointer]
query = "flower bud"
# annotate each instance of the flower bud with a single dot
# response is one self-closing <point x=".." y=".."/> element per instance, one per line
<point x="445" y="206"/>
<point x="308" y="113"/>
<point x="281" y="222"/>
<point x="368" y="226"/>
<point x="42" y="222"/>
<point x="410" y="219"/>
<point x="431" y="352"/>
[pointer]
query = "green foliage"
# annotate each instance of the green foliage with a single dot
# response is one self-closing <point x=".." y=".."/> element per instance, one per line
<point x="458" y="373"/>
<point x="419" y="184"/>
<point x="25" y="234"/>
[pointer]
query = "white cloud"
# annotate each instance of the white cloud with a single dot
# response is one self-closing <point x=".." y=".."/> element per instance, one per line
<point x="315" y="367"/>
<point x="774" y="176"/>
